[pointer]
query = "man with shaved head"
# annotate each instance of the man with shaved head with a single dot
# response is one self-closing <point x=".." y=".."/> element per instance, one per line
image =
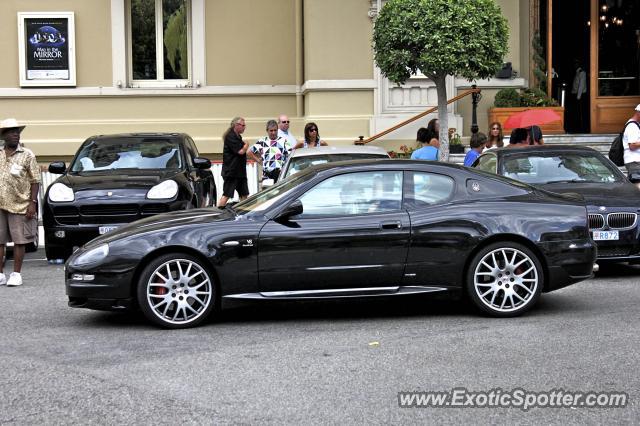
<point x="283" y="132"/>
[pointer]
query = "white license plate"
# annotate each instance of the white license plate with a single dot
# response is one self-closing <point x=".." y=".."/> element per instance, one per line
<point x="605" y="235"/>
<point x="105" y="229"/>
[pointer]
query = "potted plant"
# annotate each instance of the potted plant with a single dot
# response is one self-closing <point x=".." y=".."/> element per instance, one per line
<point x="509" y="101"/>
<point x="507" y="98"/>
<point x="405" y="152"/>
<point x="455" y="142"/>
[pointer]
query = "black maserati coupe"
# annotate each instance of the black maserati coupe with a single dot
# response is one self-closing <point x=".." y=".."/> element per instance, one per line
<point x="117" y="179"/>
<point x="612" y="199"/>
<point x="362" y="228"/>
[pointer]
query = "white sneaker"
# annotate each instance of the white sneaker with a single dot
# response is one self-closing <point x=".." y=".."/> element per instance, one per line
<point x="15" y="279"/>
<point x="3" y="279"/>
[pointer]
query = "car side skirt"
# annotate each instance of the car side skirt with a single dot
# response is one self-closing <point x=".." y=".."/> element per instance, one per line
<point x="337" y="293"/>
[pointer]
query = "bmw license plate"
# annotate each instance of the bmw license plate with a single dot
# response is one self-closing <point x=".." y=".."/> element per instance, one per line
<point x="105" y="229"/>
<point x="605" y="235"/>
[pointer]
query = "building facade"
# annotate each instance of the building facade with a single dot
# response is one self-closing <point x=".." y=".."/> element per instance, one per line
<point x="192" y="65"/>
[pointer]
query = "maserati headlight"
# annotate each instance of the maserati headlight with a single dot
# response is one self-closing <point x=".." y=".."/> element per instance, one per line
<point x="163" y="190"/>
<point x="91" y="257"/>
<point x="60" y="192"/>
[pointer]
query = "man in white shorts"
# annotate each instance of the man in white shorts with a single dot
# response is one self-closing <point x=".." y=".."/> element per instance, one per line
<point x="631" y="143"/>
<point x="19" y="184"/>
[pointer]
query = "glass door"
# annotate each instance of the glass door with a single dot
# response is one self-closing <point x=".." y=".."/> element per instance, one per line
<point x="615" y="77"/>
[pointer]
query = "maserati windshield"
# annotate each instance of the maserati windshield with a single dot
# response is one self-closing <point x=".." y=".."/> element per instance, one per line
<point x="268" y="197"/>
<point x="297" y="164"/>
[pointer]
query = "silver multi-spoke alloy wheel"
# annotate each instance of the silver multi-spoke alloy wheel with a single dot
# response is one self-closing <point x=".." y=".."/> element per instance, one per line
<point x="178" y="291"/>
<point x="505" y="279"/>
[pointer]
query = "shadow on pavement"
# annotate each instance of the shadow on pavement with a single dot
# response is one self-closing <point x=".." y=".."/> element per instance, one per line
<point x="423" y="307"/>
<point x="611" y="270"/>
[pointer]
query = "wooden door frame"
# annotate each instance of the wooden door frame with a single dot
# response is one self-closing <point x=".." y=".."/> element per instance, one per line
<point x="594" y="16"/>
<point x="607" y="113"/>
<point x="550" y="47"/>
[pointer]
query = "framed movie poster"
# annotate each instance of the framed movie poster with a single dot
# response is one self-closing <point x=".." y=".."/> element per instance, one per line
<point x="47" y="48"/>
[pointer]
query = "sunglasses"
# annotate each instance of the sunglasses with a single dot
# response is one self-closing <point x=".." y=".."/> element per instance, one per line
<point x="285" y="122"/>
<point x="313" y="130"/>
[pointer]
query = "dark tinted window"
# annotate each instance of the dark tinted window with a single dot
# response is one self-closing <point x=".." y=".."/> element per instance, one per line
<point x="128" y="153"/>
<point x="487" y="163"/>
<point x="426" y="189"/>
<point x="560" y="167"/>
<point x="192" y="151"/>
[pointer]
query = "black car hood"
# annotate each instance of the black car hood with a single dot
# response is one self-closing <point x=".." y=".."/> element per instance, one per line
<point x="619" y="194"/>
<point x="168" y="220"/>
<point x="121" y="179"/>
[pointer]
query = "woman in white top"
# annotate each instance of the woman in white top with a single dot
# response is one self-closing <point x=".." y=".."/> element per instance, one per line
<point x="311" y="137"/>
<point x="495" y="136"/>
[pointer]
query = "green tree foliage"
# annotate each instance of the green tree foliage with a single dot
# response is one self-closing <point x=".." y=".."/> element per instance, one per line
<point x="536" y="98"/>
<point x="507" y="98"/>
<point x="465" y="38"/>
<point x="540" y="68"/>
<point x="510" y="98"/>
<point x="175" y="40"/>
<point x="143" y="32"/>
<point x="143" y="47"/>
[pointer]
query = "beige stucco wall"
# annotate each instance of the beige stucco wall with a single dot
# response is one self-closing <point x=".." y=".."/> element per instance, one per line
<point x="58" y="126"/>
<point x="524" y="49"/>
<point x="337" y="40"/>
<point x="337" y="46"/>
<point x="341" y="116"/>
<point x="93" y="38"/>
<point x="250" y="42"/>
<point x="511" y="11"/>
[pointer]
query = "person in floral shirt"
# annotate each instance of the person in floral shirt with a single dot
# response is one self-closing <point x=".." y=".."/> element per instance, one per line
<point x="272" y="151"/>
<point x="19" y="185"/>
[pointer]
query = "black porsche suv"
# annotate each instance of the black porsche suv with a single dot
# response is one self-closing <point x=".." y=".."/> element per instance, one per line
<point x="117" y="179"/>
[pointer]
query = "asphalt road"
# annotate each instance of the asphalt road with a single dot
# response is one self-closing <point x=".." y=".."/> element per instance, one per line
<point x="337" y="362"/>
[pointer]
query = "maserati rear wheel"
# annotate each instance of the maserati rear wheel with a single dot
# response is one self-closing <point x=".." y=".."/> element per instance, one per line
<point x="505" y="279"/>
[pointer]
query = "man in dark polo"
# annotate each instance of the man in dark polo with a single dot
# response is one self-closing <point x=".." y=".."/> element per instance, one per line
<point x="234" y="162"/>
<point x="19" y="184"/>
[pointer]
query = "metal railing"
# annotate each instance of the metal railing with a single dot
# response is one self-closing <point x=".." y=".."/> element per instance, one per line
<point x="474" y="125"/>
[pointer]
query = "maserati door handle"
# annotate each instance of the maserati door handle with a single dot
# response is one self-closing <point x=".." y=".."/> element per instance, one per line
<point x="391" y="225"/>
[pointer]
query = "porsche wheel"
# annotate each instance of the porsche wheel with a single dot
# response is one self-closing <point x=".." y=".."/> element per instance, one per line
<point x="505" y="279"/>
<point x="176" y="291"/>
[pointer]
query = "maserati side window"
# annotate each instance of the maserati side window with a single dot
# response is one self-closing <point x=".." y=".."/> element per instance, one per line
<point x="487" y="163"/>
<point x="424" y="189"/>
<point x="354" y="194"/>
